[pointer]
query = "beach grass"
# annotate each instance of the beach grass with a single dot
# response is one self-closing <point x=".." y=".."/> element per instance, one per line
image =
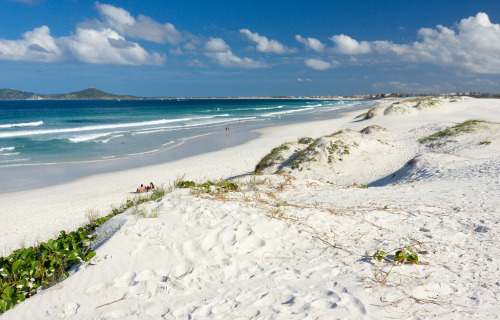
<point x="464" y="127"/>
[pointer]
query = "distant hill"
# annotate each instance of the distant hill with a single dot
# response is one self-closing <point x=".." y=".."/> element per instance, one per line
<point x="12" y="94"/>
<point x="87" y="94"/>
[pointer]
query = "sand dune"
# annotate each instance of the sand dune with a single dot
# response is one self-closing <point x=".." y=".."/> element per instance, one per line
<point x="298" y="244"/>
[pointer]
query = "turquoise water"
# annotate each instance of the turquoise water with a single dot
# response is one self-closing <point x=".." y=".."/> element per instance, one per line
<point x="44" y="143"/>
<point x="36" y="132"/>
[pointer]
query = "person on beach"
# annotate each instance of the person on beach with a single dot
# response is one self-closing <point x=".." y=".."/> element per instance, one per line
<point x="151" y="186"/>
<point x="142" y="189"/>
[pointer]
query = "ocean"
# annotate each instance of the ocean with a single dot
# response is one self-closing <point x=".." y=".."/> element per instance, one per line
<point x="112" y="135"/>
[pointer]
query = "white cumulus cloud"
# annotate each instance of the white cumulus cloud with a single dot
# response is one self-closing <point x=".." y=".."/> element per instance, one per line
<point x="216" y="44"/>
<point x="217" y="50"/>
<point x="143" y="27"/>
<point x="347" y="45"/>
<point x="311" y="43"/>
<point x="106" y="46"/>
<point x="318" y="64"/>
<point x="37" y="45"/>
<point x="473" y="44"/>
<point x="266" y="45"/>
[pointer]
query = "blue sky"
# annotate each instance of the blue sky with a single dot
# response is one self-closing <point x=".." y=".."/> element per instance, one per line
<point x="250" y="48"/>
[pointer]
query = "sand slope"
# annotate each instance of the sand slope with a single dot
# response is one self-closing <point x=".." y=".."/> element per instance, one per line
<point x="299" y="245"/>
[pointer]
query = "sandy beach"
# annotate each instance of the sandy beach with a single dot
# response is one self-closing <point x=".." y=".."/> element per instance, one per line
<point x="297" y="241"/>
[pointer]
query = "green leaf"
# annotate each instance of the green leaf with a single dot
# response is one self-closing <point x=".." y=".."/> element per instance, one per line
<point x="16" y="265"/>
<point x="90" y="255"/>
<point x="83" y="235"/>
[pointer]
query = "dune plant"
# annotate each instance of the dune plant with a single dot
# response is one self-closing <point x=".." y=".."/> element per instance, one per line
<point x="463" y="127"/>
<point x="402" y="256"/>
<point x="26" y="271"/>
<point x="270" y="158"/>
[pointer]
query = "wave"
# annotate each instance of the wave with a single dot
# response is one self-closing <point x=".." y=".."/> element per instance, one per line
<point x="25" y="124"/>
<point x="87" y="137"/>
<point x="170" y="142"/>
<point x="112" y="137"/>
<point x="7" y="149"/>
<point x="103" y="127"/>
<point x="269" y="108"/>
<point x="285" y="112"/>
<point x="145" y="152"/>
<point x="91" y="128"/>
<point x="14" y="160"/>
<point x="9" y="154"/>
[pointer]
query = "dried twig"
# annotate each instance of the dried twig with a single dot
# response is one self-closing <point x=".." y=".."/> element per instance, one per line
<point x="107" y="304"/>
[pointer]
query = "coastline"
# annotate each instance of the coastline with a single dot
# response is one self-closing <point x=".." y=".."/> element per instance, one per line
<point x="99" y="191"/>
<point x="297" y="244"/>
<point x="76" y="163"/>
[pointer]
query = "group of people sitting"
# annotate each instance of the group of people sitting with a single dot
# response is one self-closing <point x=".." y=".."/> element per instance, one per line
<point x="146" y="188"/>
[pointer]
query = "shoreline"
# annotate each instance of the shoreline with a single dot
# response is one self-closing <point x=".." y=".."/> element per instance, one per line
<point x="98" y="192"/>
<point x="23" y="177"/>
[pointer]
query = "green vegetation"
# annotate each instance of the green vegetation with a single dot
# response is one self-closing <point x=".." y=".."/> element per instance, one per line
<point x="27" y="270"/>
<point x="406" y="255"/>
<point x="337" y="147"/>
<point x="269" y="159"/>
<point x="485" y="142"/>
<point x="401" y="256"/>
<point x="89" y="94"/>
<point x="185" y="184"/>
<point x="306" y="140"/>
<point x="363" y="115"/>
<point x="463" y="127"/>
<point x="12" y="94"/>
<point x="301" y="156"/>
<point x="209" y="186"/>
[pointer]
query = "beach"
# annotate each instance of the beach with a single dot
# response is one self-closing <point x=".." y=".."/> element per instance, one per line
<point x="297" y="241"/>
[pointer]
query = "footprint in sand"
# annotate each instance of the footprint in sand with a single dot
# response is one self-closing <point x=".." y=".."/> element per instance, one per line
<point x="126" y="280"/>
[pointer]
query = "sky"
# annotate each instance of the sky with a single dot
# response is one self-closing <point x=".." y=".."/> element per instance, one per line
<point x="250" y="48"/>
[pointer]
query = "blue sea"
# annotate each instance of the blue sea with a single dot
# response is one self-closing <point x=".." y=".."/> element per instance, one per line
<point x="43" y="133"/>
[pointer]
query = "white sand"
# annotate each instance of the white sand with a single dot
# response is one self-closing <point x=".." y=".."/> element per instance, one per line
<point x="292" y="246"/>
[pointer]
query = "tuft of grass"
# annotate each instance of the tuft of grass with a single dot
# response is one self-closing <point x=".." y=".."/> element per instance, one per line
<point x="306" y="140"/>
<point x="464" y="127"/>
<point x="270" y="158"/>
<point x="363" y="115"/>
<point x="485" y="142"/>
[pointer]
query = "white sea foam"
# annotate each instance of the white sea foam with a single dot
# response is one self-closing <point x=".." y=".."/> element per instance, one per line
<point x="114" y="136"/>
<point x="7" y="149"/>
<point x="149" y="131"/>
<point x="145" y="152"/>
<point x="25" y="124"/>
<point x="9" y="154"/>
<point x="14" y="160"/>
<point x="268" y="108"/>
<point x="91" y="128"/>
<point x="103" y="127"/>
<point x="87" y="137"/>
<point x="285" y="112"/>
